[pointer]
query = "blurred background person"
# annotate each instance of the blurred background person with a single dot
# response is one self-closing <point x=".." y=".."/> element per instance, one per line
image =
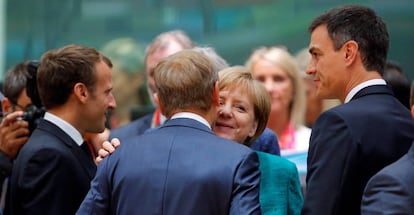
<point x="396" y="79"/>
<point x="277" y="70"/>
<point x="14" y="133"/>
<point x="127" y="56"/>
<point x="163" y="45"/>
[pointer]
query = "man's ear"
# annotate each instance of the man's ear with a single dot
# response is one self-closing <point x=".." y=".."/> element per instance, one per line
<point x="81" y="92"/>
<point x="6" y="105"/>
<point x="350" y="49"/>
<point x="160" y="106"/>
<point x="216" y="97"/>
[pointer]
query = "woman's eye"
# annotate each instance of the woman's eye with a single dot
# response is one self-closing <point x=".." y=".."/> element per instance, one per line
<point x="278" y="79"/>
<point x="221" y="102"/>
<point x="241" y="108"/>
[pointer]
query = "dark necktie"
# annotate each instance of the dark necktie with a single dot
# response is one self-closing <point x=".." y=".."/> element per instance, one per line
<point x="85" y="147"/>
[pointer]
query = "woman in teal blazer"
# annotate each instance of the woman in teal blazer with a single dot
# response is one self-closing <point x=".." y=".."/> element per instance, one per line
<point x="242" y="117"/>
<point x="280" y="190"/>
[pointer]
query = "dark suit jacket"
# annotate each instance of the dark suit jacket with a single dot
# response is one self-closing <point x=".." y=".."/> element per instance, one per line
<point x="391" y="191"/>
<point x="267" y="142"/>
<point x="134" y="128"/>
<point x="51" y="174"/>
<point x="178" y="168"/>
<point x="349" y="144"/>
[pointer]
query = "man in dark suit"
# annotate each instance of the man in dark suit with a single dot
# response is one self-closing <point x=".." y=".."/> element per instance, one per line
<point x="391" y="190"/>
<point x="353" y="141"/>
<point x="162" y="46"/>
<point x="181" y="167"/>
<point x="53" y="170"/>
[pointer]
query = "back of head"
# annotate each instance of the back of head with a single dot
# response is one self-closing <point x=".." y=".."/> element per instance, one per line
<point x="62" y="68"/>
<point x="185" y="81"/>
<point x="362" y="25"/>
<point x="240" y="77"/>
<point x="280" y="57"/>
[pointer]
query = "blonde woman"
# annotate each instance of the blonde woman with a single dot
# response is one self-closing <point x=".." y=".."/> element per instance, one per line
<point x="277" y="70"/>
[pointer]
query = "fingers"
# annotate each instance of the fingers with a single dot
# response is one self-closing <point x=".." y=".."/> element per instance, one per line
<point x="12" y="117"/>
<point x="107" y="149"/>
<point x="103" y="153"/>
<point x="13" y="134"/>
<point x="107" y="146"/>
<point x="115" y="142"/>
<point x="98" y="160"/>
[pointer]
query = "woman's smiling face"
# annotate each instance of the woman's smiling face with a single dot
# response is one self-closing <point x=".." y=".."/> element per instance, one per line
<point x="235" y="117"/>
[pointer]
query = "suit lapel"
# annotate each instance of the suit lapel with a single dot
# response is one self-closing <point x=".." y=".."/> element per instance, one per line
<point x="84" y="160"/>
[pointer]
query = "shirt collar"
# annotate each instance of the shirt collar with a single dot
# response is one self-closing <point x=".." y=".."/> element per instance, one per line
<point x="362" y="85"/>
<point x="65" y="126"/>
<point x="191" y="116"/>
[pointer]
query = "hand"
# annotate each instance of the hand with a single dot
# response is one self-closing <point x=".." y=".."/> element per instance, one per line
<point x="96" y="139"/>
<point x="107" y="149"/>
<point x="13" y="134"/>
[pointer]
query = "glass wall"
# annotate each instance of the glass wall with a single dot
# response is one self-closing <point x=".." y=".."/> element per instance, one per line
<point x="233" y="27"/>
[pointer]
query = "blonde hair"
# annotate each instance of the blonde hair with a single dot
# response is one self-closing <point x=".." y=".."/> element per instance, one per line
<point x="279" y="56"/>
<point x="240" y="77"/>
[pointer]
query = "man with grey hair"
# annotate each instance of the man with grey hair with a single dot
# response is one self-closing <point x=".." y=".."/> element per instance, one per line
<point x="162" y="46"/>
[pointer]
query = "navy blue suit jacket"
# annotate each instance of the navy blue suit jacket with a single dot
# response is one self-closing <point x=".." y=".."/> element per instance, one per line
<point x="391" y="191"/>
<point x="134" y="128"/>
<point x="178" y="168"/>
<point x="267" y="142"/>
<point x="349" y="144"/>
<point x="51" y="174"/>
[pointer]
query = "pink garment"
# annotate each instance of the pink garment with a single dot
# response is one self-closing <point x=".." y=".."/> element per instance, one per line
<point x="287" y="140"/>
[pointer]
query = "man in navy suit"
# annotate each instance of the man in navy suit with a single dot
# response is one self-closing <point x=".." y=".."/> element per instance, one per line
<point x="391" y="190"/>
<point x="181" y="167"/>
<point x="53" y="170"/>
<point x="353" y="141"/>
<point x="161" y="47"/>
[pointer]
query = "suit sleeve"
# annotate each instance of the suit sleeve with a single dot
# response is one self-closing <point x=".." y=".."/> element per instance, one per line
<point x="5" y="168"/>
<point x="386" y="194"/>
<point x="97" y="201"/>
<point x="245" y="199"/>
<point x="330" y="150"/>
<point x="295" y="198"/>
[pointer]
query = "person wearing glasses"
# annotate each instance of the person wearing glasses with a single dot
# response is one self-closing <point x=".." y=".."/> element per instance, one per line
<point x="13" y="133"/>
